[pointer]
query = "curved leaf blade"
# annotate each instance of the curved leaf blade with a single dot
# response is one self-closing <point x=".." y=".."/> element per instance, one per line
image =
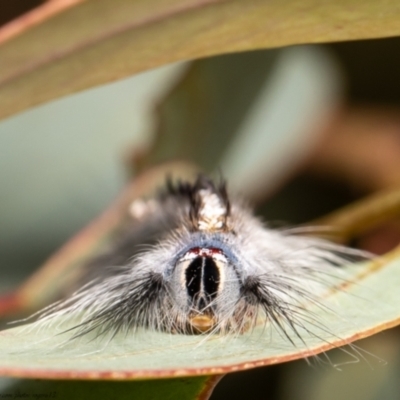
<point x="362" y="215"/>
<point x="95" y="42"/>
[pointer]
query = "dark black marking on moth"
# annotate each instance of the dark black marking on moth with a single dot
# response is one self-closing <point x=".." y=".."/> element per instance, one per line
<point x="202" y="280"/>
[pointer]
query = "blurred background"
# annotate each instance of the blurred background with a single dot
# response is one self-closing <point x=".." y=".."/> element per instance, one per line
<point x="299" y="132"/>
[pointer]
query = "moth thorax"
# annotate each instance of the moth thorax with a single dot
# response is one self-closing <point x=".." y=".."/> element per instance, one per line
<point x="212" y="213"/>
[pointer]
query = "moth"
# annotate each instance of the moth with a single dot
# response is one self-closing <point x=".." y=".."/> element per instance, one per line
<point x="196" y="260"/>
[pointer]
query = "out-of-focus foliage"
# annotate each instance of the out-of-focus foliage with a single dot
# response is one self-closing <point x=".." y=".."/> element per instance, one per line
<point x="252" y="116"/>
<point x="69" y="46"/>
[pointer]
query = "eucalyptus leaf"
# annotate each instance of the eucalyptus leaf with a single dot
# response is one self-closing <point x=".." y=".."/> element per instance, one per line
<point x="362" y="215"/>
<point x="182" y="389"/>
<point x="93" y="42"/>
<point x="365" y="303"/>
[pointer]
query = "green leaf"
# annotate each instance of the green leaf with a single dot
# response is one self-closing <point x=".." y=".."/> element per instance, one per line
<point x="92" y="42"/>
<point x="366" y="303"/>
<point x="171" y="389"/>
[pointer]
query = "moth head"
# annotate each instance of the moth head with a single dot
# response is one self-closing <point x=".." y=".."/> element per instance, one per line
<point x="205" y="287"/>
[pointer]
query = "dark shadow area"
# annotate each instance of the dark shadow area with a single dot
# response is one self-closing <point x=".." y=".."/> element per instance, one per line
<point x="11" y="9"/>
